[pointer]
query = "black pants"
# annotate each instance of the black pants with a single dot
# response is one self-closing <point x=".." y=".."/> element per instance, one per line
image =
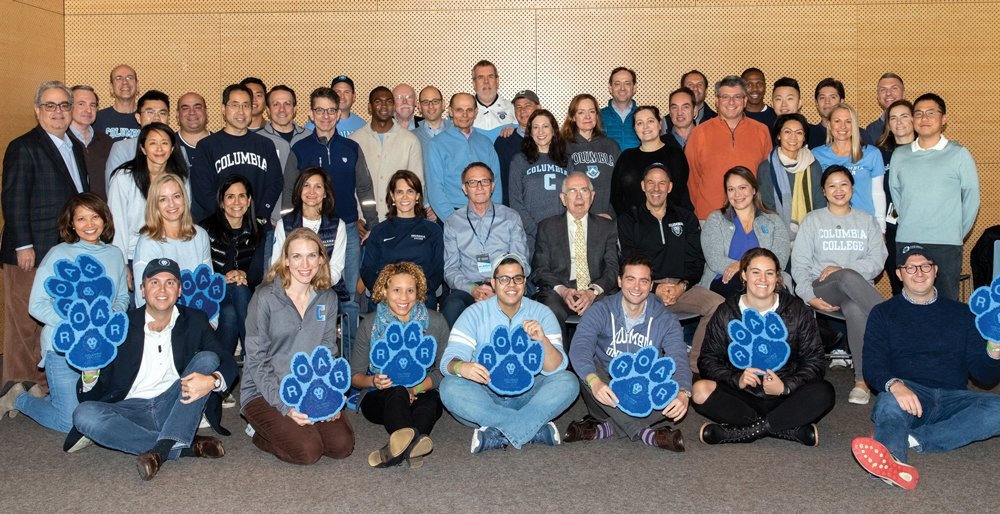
<point x="807" y="404"/>
<point x="392" y="408"/>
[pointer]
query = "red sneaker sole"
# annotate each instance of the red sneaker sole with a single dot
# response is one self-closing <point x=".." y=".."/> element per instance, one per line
<point x="876" y="459"/>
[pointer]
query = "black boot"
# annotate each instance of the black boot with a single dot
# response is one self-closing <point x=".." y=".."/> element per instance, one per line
<point x="719" y="433"/>
<point x="805" y="434"/>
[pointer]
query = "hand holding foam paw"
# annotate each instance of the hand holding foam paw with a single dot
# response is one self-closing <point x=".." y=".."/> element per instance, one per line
<point x="642" y="381"/>
<point x="758" y="341"/>
<point x="90" y="332"/>
<point x="203" y="290"/>
<point x="985" y="304"/>
<point x="317" y="384"/>
<point x="512" y="358"/>
<point x="404" y="353"/>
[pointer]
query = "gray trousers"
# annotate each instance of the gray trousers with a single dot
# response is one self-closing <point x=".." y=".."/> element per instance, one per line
<point x="850" y="291"/>
<point x="624" y="424"/>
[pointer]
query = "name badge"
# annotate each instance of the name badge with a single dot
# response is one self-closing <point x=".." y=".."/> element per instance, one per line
<point x="483" y="263"/>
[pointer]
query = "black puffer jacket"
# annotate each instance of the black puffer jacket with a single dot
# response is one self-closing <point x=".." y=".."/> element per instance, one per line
<point x="241" y="249"/>
<point x="805" y="364"/>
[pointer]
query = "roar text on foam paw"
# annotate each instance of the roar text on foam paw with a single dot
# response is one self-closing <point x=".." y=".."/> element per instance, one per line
<point x="90" y="332"/>
<point x="985" y="304"/>
<point x="642" y="381"/>
<point x="317" y="384"/>
<point x="404" y="353"/>
<point x="758" y="341"/>
<point x="512" y="358"/>
<point x="203" y="289"/>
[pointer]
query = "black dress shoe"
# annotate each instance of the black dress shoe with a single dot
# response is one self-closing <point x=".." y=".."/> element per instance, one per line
<point x="393" y="453"/>
<point x="207" y="447"/>
<point x="148" y="464"/>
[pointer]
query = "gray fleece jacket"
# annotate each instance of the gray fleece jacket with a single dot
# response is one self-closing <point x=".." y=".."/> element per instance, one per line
<point x="717" y="234"/>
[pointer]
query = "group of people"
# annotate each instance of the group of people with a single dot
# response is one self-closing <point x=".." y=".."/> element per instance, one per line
<point x="592" y="237"/>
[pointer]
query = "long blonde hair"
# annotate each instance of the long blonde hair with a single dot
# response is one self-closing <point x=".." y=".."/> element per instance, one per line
<point x="856" y="152"/>
<point x="154" y="228"/>
<point x="321" y="280"/>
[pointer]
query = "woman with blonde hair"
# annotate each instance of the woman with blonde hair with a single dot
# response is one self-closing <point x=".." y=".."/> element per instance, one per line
<point x="294" y="311"/>
<point x="169" y="231"/>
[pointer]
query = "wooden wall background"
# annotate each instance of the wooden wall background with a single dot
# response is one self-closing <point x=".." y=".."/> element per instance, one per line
<point x="556" y="47"/>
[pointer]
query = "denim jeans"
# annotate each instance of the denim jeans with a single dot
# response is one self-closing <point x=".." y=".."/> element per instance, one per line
<point x="951" y="418"/>
<point x="268" y="243"/>
<point x="455" y="304"/>
<point x="232" y="316"/>
<point x="136" y="424"/>
<point x="55" y="411"/>
<point x="517" y="417"/>
<point x="348" y="327"/>
<point x="352" y="258"/>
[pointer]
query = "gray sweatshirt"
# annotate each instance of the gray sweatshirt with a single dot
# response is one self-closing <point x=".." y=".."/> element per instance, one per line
<point x="534" y="192"/>
<point x="853" y="241"/>
<point x="597" y="159"/>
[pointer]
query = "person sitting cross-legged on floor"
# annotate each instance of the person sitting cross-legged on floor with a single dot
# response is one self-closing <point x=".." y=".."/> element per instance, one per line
<point x="920" y="350"/>
<point x="749" y="404"/>
<point x="150" y="399"/>
<point x="516" y="419"/>
<point x="626" y="322"/>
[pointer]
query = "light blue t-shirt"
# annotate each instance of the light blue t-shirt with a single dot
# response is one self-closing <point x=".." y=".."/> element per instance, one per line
<point x="867" y="168"/>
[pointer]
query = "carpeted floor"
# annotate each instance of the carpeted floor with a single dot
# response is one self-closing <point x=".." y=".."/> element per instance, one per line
<point x="606" y="476"/>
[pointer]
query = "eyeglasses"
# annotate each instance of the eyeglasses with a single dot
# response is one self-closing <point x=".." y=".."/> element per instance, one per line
<point x="726" y="98"/>
<point x="504" y="279"/>
<point x="425" y="103"/>
<point x="319" y="111"/>
<point x="929" y="113"/>
<point x="912" y="269"/>
<point x="483" y="182"/>
<point x="53" y="107"/>
<point x="578" y="191"/>
<point x="154" y="112"/>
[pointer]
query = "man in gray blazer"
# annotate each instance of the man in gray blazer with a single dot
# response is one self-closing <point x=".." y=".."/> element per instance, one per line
<point x="563" y="286"/>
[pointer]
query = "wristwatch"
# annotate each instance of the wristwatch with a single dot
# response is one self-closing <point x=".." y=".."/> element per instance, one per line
<point x="685" y="392"/>
<point x="218" y="380"/>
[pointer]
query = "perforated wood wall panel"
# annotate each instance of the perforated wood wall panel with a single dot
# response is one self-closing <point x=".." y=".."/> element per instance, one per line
<point x="559" y="48"/>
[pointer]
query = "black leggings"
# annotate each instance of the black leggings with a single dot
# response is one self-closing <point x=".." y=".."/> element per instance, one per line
<point x="392" y="408"/>
<point x="807" y="404"/>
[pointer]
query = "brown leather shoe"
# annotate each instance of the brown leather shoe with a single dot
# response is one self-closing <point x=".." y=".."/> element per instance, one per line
<point x="207" y="447"/>
<point x="582" y="430"/>
<point x="148" y="464"/>
<point x="668" y="439"/>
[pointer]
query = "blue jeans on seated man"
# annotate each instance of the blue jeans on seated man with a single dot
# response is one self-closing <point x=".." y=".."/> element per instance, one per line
<point x="136" y="424"/>
<point x="455" y="304"/>
<point x="233" y="316"/>
<point x="54" y="411"/>
<point x="951" y="418"/>
<point x="517" y="417"/>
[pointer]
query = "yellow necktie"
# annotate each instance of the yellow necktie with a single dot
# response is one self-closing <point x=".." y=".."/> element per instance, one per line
<point x="580" y="257"/>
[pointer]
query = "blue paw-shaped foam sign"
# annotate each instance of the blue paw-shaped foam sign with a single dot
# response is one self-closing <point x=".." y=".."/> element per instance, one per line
<point x="317" y="384"/>
<point x="985" y="304"/>
<point x="203" y="289"/>
<point x="404" y="353"/>
<point x="90" y="332"/>
<point x="513" y="360"/>
<point x="758" y="341"/>
<point x="642" y="381"/>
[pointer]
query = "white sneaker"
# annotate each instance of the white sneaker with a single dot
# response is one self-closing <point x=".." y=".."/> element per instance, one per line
<point x="250" y="430"/>
<point x="228" y="402"/>
<point x="839" y="358"/>
<point x="859" y="396"/>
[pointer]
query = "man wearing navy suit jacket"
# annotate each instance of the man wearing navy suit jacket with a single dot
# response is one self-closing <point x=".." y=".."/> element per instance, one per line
<point x="553" y="267"/>
<point x="41" y="170"/>
<point x="150" y="399"/>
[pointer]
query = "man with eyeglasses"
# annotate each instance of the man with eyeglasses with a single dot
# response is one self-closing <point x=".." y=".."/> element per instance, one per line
<point x="670" y="237"/>
<point x="41" y="170"/>
<point x="508" y="144"/>
<point x="432" y="110"/>
<point x="451" y="151"/>
<point x="96" y="145"/>
<point x="474" y="236"/>
<point x="235" y="150"/>
<point x="493" y="113"/>
<point x="935" y="188"/>
<point x="715" y="146"/>
<point x="576" y="254"/>
<point x="153" y="106"/>
<point x="404" y="107"/>
<point x="920" y="350"/>
<point x="345" y="164"/>
<point x="118" y="120"/>
<point x="515" y="420"/>
<point x="627" y="322"/>
<point x="387" y="146"/>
